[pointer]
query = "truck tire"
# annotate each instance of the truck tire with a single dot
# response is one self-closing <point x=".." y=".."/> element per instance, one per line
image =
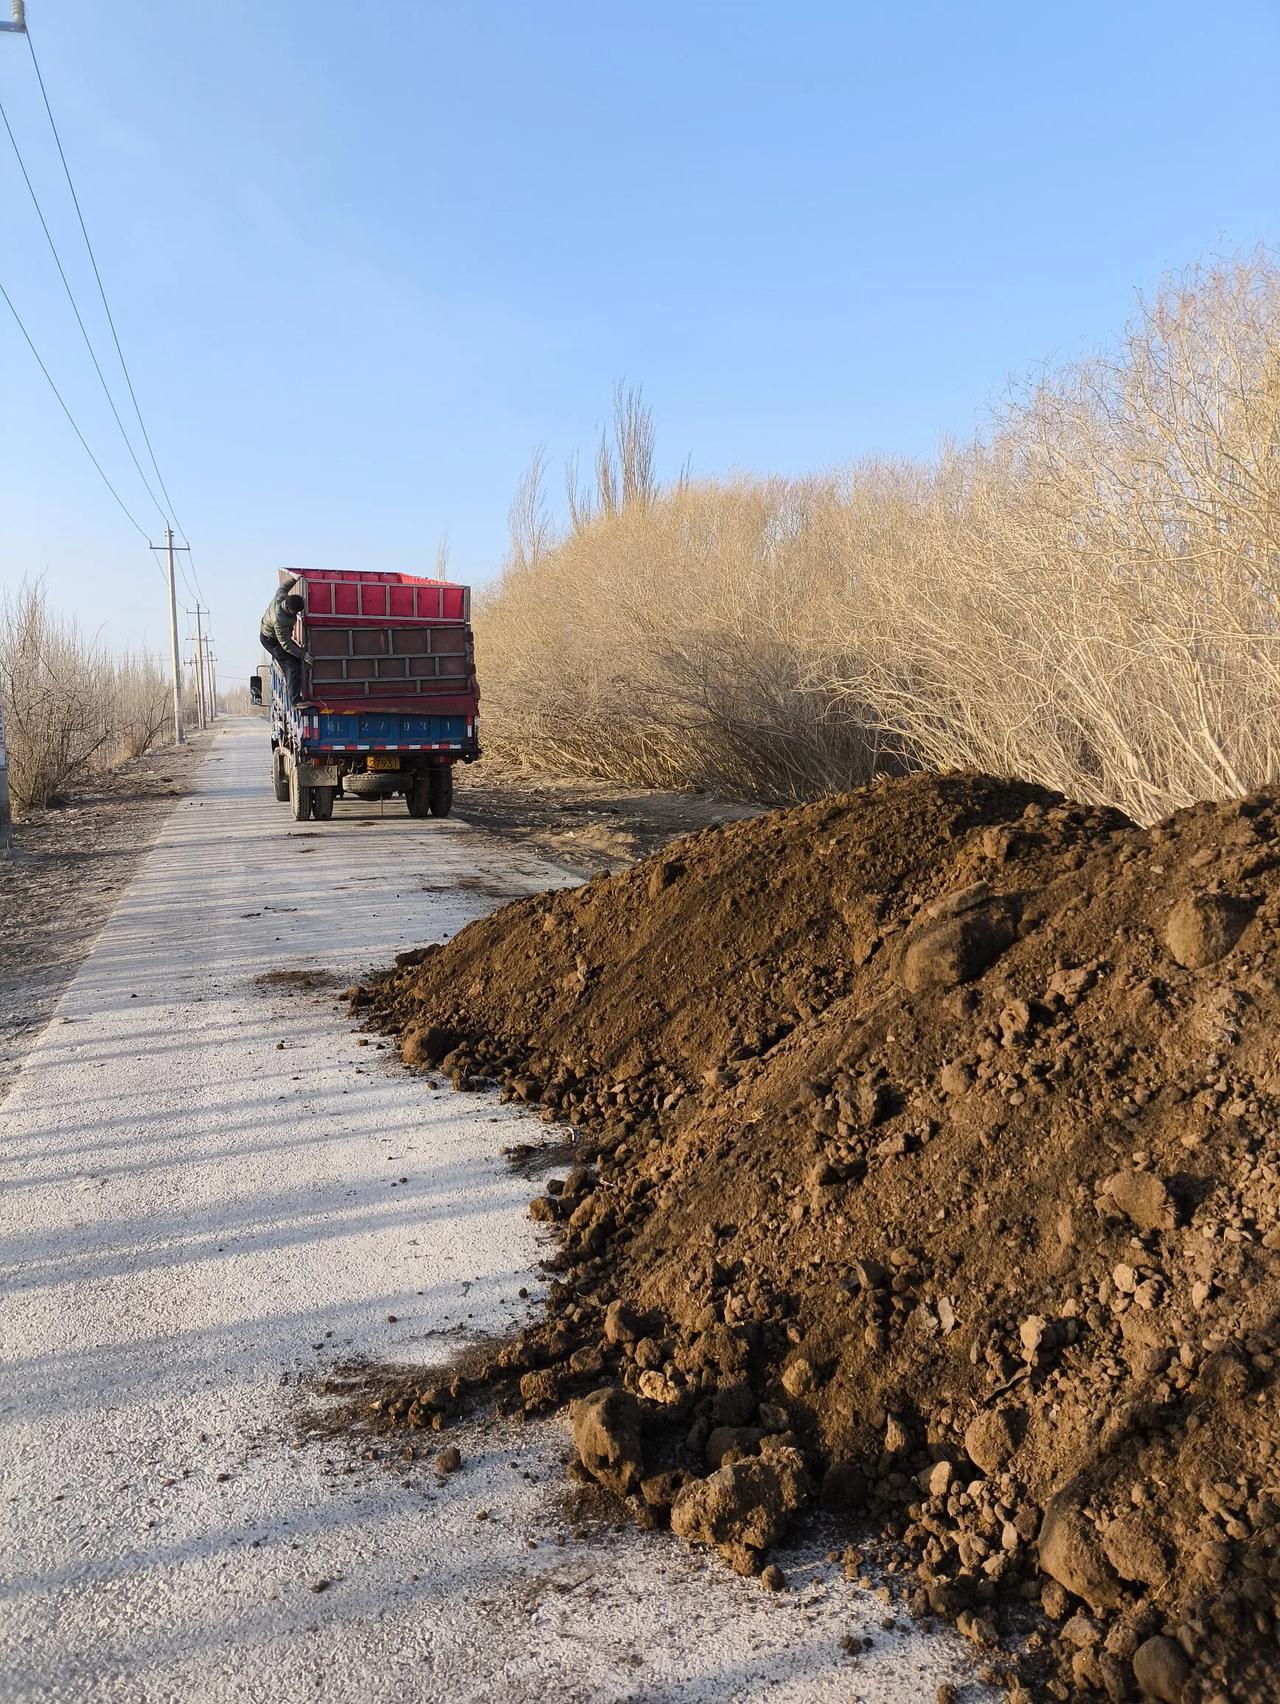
<point x="279" y="776"/>
<point x="300" y="798"/>
<point x="440" y="794"/>
<point x="418" y="797"/>
<point x="322" y="803"/>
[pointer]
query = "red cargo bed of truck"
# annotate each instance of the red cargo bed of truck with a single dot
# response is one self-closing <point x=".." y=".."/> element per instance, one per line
<point x="387" y="641"/>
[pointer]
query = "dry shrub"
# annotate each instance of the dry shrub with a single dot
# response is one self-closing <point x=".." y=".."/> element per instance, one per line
<point x="668" y="644"/>
<point x="1089" y="598"/>
<point x="235" y="701"/>
<point x="70" y="708"/>
<point x="1086" y="597"/>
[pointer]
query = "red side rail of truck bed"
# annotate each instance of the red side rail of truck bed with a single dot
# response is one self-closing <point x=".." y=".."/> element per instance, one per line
<point x="342" y="598"/>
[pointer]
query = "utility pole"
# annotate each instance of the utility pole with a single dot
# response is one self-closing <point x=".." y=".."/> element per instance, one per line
<point x="208" y="680"/>
<point x="19" y="24"/>
<point x="198" y="612"/>
<point x="208" y="677"/>
<point x="179" y="727"/>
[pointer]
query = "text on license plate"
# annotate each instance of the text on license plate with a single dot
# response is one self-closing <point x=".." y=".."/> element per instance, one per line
<point x="384" y="760"/>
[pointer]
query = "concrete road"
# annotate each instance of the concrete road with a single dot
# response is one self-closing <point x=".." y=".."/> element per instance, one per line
<point x="210" y="1190"/>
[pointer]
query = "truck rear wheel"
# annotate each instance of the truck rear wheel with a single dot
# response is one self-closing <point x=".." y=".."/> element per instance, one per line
<point x="418" y="797"/>
<point x="279" y="776"/>
<point x="322" y="803"/>
<point x="440" y="792"/>
<point x="300" y="797"/>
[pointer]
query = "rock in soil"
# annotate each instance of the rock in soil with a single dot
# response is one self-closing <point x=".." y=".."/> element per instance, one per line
<point x="930" y="1136"/>
<point x="747" y="1502"/>
<point x="606" y="1435"/>
<point x="1161" y="1670"/>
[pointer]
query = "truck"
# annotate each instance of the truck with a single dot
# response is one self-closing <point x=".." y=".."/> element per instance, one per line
<point x="389" y="700"/>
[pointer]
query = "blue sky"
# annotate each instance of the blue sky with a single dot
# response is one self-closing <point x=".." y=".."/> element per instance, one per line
<point x="363" y="257"/>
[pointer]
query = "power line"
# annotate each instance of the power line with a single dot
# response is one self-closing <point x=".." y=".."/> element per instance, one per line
<point x="171" y="514"/>
<point x="146" y="438"/>
<point x="182" y="570"/>
<point x="133" y="520"/>
<point x="199" y="591"/>
<point x="66" y="285"/>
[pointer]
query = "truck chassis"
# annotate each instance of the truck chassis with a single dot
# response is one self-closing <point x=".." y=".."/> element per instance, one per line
<point x="312" y="767"/>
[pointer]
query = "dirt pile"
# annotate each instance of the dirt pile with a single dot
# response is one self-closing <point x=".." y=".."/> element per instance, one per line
<point x="928" y="1169"/>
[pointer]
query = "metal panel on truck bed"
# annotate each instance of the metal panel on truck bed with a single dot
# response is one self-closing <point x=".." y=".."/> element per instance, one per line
<point x="387" y="640"/>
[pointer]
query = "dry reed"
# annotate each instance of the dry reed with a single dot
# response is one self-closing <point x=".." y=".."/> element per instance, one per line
<point x="1086" y="596"/>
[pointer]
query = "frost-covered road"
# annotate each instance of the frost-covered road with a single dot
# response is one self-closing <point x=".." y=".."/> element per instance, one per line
<point x="193" y="1214"/>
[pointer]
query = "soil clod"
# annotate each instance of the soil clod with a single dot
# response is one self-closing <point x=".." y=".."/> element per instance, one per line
<point x="925" y="1164"/>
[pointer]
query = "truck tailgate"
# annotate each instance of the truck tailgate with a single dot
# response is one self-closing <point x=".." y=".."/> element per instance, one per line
<point x="388" y="730"/>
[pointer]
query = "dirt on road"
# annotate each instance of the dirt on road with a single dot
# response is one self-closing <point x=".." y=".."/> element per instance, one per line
<point x="69" y="866"/>
<point x="927" y="1170"/>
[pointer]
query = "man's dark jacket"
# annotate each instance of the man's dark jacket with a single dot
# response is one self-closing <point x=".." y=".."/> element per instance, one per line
<point x="276" y="630"/>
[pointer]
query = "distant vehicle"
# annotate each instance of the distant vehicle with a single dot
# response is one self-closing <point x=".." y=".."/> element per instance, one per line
<point x="389" y="700"/>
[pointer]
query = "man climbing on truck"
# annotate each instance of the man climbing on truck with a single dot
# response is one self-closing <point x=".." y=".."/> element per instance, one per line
<point x="275" y="634"/>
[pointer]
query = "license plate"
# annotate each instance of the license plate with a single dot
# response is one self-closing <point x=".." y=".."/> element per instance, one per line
<point x="385" y="760"/>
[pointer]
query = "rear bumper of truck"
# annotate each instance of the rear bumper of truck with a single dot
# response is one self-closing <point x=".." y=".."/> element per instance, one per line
<point x="465" y="750"/>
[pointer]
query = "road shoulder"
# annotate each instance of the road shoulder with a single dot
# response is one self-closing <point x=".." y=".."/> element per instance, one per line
<point x="583" y="824"/>
<point x="68" y="869"/>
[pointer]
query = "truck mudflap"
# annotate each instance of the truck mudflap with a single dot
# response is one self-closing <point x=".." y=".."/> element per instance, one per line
<point x="316" y="774"/>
